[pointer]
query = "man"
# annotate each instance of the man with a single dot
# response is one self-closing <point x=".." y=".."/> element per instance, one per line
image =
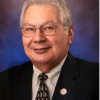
<point x="53" y="73"/>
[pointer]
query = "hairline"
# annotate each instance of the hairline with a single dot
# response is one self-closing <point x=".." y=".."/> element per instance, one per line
<point x="59" y="7"/>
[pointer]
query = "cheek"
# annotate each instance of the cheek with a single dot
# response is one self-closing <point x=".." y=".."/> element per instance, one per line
<point x="26" y="42"/>
<point x="62" y="40"/>
<point x="59" y="41"/>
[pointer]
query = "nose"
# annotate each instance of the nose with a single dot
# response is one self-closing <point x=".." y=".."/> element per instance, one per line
<point x="38" y="37"/>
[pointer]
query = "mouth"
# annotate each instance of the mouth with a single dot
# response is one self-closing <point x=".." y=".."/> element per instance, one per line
<point x="41" y="50"/>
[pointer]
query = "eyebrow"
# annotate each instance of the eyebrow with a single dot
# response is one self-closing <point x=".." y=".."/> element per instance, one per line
<point x="52" y="22"/>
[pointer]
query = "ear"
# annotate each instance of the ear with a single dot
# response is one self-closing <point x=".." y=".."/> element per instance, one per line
<point x="70" y="34"/>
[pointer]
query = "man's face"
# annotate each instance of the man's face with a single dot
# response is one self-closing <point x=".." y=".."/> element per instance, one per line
<point x="43" y="49"/>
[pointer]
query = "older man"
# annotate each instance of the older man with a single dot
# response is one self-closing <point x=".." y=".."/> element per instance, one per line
<point x="53" y="73"/>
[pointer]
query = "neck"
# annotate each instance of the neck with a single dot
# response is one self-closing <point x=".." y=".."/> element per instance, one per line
<point x="46" y="68"/>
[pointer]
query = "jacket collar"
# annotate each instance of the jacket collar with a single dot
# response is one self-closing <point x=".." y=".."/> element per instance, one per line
<point x="66" y="79"/>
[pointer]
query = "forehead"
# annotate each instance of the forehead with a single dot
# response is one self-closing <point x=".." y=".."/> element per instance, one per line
<point x="37" y="14"/>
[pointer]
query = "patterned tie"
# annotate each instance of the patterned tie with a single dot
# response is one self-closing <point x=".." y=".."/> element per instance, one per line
<point x="42" y="93"/>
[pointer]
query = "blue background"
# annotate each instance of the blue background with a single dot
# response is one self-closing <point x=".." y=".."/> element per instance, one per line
<point x="86" y="29"/>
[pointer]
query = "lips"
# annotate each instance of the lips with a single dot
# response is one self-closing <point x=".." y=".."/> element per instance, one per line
<point x="41" y="50"/>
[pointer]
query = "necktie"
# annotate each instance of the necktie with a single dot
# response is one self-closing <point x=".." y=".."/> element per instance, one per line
<point x="42" y="93"/>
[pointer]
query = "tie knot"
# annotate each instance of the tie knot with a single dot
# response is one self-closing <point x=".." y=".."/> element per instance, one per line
<point x="43" y="76"/>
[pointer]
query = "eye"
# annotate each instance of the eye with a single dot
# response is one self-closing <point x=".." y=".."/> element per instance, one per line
<point x="48" y="28"/>
<point x="29" y="29"/>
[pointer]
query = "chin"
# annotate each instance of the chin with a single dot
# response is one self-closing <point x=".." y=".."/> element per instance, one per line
<point x="40" y="60"/>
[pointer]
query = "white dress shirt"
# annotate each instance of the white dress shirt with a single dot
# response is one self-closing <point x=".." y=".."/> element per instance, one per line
<point x="50" y="82"/>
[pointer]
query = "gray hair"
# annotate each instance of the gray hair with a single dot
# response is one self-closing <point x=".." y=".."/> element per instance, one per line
<point x="65" y="13"/>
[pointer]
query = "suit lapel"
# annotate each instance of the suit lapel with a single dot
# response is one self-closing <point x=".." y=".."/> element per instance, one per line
<point x="23" y="85"/>
<point x="66" y="79"/>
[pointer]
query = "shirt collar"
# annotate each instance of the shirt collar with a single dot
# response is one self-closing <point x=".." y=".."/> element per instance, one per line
<point x="55" y="72"/>
<point x="36" y="74"/>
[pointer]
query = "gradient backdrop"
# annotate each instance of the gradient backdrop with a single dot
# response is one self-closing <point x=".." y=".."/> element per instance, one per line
<point x="86" y="29"/>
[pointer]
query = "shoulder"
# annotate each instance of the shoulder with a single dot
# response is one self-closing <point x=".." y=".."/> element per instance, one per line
<point x="82" y="64"/>
<point x="87" y="65"/>
<point x="10" y="77"/>
<point x="14" y="72"/>
<point x="17" y="68"/>
<point x="88" y="69"/>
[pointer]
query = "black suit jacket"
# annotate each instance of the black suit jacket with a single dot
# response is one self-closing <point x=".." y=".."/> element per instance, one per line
<point x="78" y="77"/>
